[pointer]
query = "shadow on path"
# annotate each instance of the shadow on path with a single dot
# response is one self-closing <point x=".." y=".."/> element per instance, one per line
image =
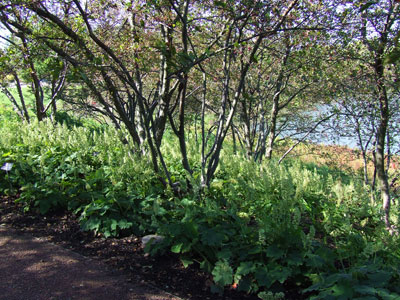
<point x="33" y="269"/>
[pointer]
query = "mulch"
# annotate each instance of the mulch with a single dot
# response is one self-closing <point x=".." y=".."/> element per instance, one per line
<point x="32" y="268"/>
<point x="143" y="277"/>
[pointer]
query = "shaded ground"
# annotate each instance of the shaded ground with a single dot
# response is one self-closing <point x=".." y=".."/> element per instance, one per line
<point x="128" y="267"/>
<point x="32" y="268"/>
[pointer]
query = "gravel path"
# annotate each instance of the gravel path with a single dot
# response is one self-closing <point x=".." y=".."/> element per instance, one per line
<point x="34" y="269"/>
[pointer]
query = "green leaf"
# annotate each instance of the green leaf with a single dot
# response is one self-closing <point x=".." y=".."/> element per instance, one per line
<point x="222" y="273"/>
<point x="295" y="259"/>
<point x="280" y="274"/>
<point x="186" y="262"/>
<point x="245" y="284"/>
<point x="255" y="250"/>
<point x="314" y="261"/>
<point x="206" y="265"/>
<point x="343" y="290"/>
<point x="379" y="278"/>
<point x="92" y="224"/>
<point x="393" y="56"/>
<point x="220" y="4"/>
<point x="114" y="225"/>
<point x="190" y="230"/>
<point x="177" y="248"/>
<point x="124" y="224"/>
<point x="7" y="154"/>
<point x="216" y="289"/>
<point x="224" y="254"/>
<point x="262" y="276"/>
<point x="274" y="252"/>
<point x="44" y="206"/>
<point x="314" y="287"/>
<point x="327" y="255"/>
<point x="246" y="267"/>
<point x="4" y="59"/>
<point x="387" y="295"/>
<point x="211" y="237"/>
<point x="365" y="290"/>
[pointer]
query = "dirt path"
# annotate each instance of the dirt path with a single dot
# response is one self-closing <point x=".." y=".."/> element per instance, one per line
<point x="31" y="268"/>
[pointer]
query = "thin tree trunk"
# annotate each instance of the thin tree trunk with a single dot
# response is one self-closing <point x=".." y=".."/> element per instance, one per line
<point x="280" y="87"/>
<point x="380" y="141"/>
<point x="37" y="89"/>
<point x="373" y="181"/>
<point x="233" y="139"/>
<point x="165" y="83"/>
<point x="14" y="102"/>
<point x="272" y="132"/>
<point x="21" y="97"/>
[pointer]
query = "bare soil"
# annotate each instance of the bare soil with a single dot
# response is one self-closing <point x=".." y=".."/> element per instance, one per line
<point x="32" y="268"/>
<point x="50" y="257"/>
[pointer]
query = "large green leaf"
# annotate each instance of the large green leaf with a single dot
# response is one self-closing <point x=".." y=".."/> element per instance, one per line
<point x="223" y="273"/>
<point x="212" y="237"/>
<point x="343" y="290"/>
<point x="274" y="251"/>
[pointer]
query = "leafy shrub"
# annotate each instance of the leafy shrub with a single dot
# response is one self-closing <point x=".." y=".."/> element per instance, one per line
<point x="371" y="281"/>
<point x="260" y="228"/>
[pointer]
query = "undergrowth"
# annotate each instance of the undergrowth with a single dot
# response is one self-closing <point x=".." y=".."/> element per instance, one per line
<point x="267" y="229"/>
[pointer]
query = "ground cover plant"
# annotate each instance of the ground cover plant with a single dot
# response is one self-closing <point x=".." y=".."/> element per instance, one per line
<point x="266" y="229"/>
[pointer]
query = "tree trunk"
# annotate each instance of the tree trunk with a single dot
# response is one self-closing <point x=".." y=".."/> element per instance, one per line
<point x="272" y="132"/>
<point x="21" y="97"/>
<point x="16" y="107"/>
<point x="280" y="87"/>
<point x="35" y="81"/>
<point x="380" y="140"/>
<point x="165" y="83"/>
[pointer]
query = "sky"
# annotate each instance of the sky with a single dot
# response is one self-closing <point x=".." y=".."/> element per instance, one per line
<point x="3" y="33"/>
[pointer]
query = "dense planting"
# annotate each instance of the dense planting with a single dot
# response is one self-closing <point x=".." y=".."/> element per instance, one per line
<point x="264" y="229"/>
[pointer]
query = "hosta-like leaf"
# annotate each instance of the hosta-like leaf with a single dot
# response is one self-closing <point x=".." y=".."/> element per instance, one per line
<point x="280" y="274"/>
<point x="263" y="278"/>
<point x="212" y="237"/>
<point x="274" y="252"/>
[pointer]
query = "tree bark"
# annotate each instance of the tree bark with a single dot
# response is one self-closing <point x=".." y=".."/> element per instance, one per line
<point x="21" y="97"/>
<point x="381" y="136"/>
<point x="37" y="89"/>
<point x="14" y="102"/>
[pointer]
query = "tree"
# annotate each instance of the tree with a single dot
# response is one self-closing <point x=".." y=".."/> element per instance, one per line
<point x="8" y="66"/>
<point x="27" y="61"/>
<point x="275" y="91"/>
<point x="371" y="29"/>
<point x="118" y="42"/>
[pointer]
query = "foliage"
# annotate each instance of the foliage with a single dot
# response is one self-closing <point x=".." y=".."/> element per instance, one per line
<point x="371" y="281"/>
<point x="60" y="168"/>
<point x="260" y="228"/>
